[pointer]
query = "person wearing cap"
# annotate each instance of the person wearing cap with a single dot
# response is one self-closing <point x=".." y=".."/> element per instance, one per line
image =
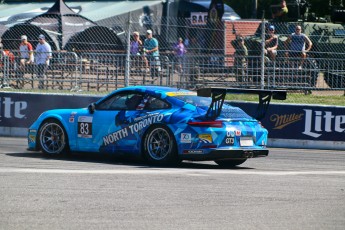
<point x="43" y="55"/>
<point x="151" y="51"/>
<point x="26" y="52"/>
<point x="271" y="44"/>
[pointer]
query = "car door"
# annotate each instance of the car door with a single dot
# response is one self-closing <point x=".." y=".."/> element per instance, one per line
<point x="106" y="128"/>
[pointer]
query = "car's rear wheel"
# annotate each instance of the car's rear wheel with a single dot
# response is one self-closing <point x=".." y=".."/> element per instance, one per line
<point x="53" y="138"/>
<point x="230" y="163"/>
<point x="160" y="146"/>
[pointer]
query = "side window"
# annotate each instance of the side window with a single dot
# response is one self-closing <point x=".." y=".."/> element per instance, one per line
<point x="155" y="103"/>
<point x="106" y="104"/>
<point x="133" y="102"/>
<point x="128" y="101"/>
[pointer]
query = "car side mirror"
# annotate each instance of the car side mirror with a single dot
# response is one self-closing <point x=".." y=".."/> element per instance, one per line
<point x="91" y="108"/>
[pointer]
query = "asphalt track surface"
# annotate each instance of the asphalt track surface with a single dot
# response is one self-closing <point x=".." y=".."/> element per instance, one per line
<point x="289" y="189"/>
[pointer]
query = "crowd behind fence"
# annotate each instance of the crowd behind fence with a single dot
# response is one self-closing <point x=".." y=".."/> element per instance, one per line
<point x="212" y="58"/>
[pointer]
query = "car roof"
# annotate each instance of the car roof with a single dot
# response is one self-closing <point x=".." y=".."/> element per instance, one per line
<point x="153" y="89"/>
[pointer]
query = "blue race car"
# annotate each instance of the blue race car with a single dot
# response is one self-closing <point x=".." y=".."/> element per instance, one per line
<point x="164" y="125"/>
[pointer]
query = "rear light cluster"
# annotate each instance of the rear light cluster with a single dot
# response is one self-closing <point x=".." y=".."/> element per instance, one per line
<point x="217" y="124"/>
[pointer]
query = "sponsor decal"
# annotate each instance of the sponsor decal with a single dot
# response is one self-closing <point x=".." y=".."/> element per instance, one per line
<point x="172" y="94"/>
<point x="32" y="131"/>
<point x="12" y="109"/>
<point x="238" y="132"/>
<point x="317" y="122"/>
<point x="85" y="127"/>
<point x="32" y="138"/>
<point x="115" y="136"/>
<point x="136" y="127"/>
<point x="186" y="138"/>
<point x="71" y="117"/>
<point x="230" y="133"/>
<point x="205" y="138"/>
<point x="230" y="140"/>
<point x="280" y="121"/>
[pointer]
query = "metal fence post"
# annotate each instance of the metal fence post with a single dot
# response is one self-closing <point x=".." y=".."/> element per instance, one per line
<point x="262" y="81"/>
<point x="5" y="84"/>
<point x="127" y="70"/>
<point x="76" y="86"/>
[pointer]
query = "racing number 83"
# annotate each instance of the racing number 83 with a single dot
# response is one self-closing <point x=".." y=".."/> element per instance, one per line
<point x="85" y="129"/>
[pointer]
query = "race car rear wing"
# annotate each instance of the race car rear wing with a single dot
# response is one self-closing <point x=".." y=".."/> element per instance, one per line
<point x="218" y="97"/>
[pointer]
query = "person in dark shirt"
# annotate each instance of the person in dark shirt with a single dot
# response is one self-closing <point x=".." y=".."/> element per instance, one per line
<point x="271" y="44"/>
<point x="297" y="45"/>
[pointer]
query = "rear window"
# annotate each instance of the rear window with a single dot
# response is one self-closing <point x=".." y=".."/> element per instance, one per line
<point x="204" y="103"/>
<point x="195" y="100"/>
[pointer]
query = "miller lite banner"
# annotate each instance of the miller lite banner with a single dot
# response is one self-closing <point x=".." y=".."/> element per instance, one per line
<point x="302" y="122"/>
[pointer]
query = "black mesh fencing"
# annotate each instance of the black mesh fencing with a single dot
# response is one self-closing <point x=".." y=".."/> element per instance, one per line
<point x="236" y="53"/>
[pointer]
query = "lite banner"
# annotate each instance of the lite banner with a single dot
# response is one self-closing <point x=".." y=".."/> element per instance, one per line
<point x="21" y="110"/>
<point x="302" y="122"/>
<point x="283" y="121"/>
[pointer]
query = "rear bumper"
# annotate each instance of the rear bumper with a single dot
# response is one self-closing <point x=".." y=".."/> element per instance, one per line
<point x="226" y="155"/>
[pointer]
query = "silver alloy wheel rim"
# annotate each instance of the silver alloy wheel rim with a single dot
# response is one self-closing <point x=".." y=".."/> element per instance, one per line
<point x="52" y="138"/>
<point x="159" y="144"/>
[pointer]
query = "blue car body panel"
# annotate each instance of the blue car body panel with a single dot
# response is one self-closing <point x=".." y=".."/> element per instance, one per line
<point x="121" y="131"/>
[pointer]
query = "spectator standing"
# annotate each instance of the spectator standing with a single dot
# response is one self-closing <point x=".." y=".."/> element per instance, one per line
<point x="43" y="55"/>
<point x="241" y="55"/>
<point x="26" y="52"/>
<point x="282" y="13"/>
<point x="135" y="48"/>
<point x="179" y="51"/>
<point x="151" y="52"/>
<point x="271" y="44"/>
<point x="297" y="45"/>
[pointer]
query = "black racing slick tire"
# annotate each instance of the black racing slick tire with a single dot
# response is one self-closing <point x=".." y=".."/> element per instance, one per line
<point x="160" y="146"/>
<point x="230" y="163"/>
<point x="52" y="138"/>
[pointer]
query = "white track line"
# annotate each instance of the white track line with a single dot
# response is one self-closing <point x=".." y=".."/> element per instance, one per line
<point x="159" y="171"/>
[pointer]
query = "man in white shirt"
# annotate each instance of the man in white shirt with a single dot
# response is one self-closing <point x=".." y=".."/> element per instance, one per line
<point x="43" y="55"/>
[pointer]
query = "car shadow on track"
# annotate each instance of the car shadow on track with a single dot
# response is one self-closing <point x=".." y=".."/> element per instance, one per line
<point x="121" y="160"/>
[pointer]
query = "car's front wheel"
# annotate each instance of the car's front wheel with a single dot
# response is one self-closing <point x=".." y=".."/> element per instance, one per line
<point x="160" y="146"/>
<point x="53" y="138"/>
<point x="230" y="163"/>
